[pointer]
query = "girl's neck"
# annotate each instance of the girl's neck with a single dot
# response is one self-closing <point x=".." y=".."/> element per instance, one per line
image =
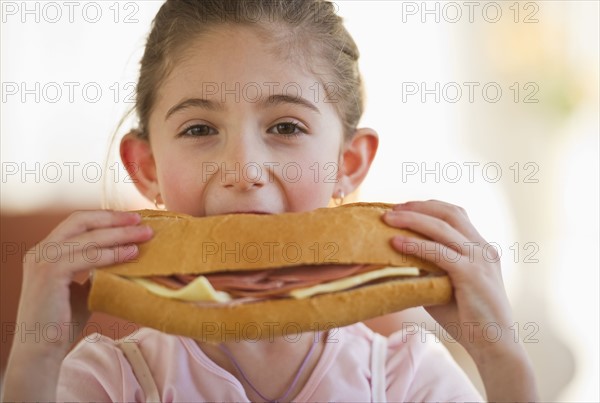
<point x="270" y="365"/>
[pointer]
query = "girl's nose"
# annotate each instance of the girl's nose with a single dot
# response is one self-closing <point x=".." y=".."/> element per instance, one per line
<point x="243" y="166"/>
<point x="242" y="176"/>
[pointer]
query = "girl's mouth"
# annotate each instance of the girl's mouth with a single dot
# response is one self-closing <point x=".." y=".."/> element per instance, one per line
<point x="248" y="212"/>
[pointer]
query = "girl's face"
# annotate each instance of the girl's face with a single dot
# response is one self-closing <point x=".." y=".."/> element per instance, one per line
<point x="237" y="128"/>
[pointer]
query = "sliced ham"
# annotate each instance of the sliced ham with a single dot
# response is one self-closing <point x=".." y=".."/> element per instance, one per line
<point x="322" y="272"/>
<point x="257" y="280"/>
<point x="170" y="282"/>
<point x="270" y="283"/>
<point x="282" y="281"/>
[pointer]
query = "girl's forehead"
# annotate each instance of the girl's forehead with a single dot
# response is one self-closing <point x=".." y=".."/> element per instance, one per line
<point x="237" y="64"/>
<point x="235" y="53"/>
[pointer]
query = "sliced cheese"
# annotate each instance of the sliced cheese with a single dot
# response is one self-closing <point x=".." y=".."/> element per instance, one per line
<point x="198" y="290"/>
<point x="353" y="281"/>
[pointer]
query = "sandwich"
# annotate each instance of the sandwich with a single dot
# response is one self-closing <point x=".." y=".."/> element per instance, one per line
<point x="260" y="276"/>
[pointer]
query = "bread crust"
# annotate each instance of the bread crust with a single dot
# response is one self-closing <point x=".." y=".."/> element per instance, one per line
<point x="268" y="319"/>
<point x="349" y="234"/>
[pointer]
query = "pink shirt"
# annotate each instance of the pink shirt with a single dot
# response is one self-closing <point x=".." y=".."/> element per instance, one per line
<point x="418" y="368"/>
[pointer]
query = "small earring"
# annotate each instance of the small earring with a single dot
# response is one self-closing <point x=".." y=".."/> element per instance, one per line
<point x="162" y="206"/>
<point x="339" y="199"/>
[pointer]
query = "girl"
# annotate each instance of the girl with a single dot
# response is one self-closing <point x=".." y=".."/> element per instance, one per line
<point x="229" y="94"/>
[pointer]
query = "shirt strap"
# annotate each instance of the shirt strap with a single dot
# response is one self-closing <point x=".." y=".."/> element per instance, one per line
<point x="140" y="368"/>
<point x="378" y="373"/>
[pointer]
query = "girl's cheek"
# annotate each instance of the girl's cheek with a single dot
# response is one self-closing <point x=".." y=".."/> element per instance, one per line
<point x="311" y="192"/>
<point x="180" y="183"/>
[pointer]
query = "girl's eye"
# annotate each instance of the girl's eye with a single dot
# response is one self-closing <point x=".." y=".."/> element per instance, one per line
<point x="288" y="129"/>
<point x="198" y="131"/>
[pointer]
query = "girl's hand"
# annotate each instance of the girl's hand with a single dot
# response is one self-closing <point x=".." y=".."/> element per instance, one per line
<point x="45" y="319"/>
<point x="479" y="316"/>
<point x="480" y="307"/>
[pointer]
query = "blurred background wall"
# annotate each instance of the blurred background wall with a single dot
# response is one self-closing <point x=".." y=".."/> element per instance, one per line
<point x="489" y="105"/>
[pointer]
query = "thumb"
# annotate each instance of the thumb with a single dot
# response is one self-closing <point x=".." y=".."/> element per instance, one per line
<point x="79" y="310"/>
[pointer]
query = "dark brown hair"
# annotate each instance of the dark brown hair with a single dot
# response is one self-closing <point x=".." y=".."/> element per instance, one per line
<point x="308" y="30"/>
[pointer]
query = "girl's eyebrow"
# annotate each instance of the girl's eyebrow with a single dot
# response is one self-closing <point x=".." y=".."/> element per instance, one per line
<point x="277" y="99"/>
<point x="272" y="100"/>
<point x="194" y="102"/>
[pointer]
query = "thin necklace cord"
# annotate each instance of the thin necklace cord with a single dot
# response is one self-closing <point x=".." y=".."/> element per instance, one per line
<point x="226" y="351"/>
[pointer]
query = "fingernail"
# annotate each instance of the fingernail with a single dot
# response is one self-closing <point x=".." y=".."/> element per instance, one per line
<point x="131" y="251"/>
<point x="137" y="217"/>
<point x="398" y="239"/>
<point x="391" y="213"/>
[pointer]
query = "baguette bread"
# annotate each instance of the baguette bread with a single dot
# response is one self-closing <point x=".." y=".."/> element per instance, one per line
<point x="182" y="244"/>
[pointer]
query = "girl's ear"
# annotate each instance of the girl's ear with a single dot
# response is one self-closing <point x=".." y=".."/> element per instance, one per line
<point x="356" y="158"/>
<point x="138" y="159"/>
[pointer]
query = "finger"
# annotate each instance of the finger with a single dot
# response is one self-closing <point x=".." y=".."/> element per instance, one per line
<point x="105" y="237"/>
<point x="83" y="221"/>
<point x="93" y="257"/>
<point x="454" y="215"/>
<point x="66" y="262"/>
<point x="433" y="228"/>
<point x="446" y="258"/>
